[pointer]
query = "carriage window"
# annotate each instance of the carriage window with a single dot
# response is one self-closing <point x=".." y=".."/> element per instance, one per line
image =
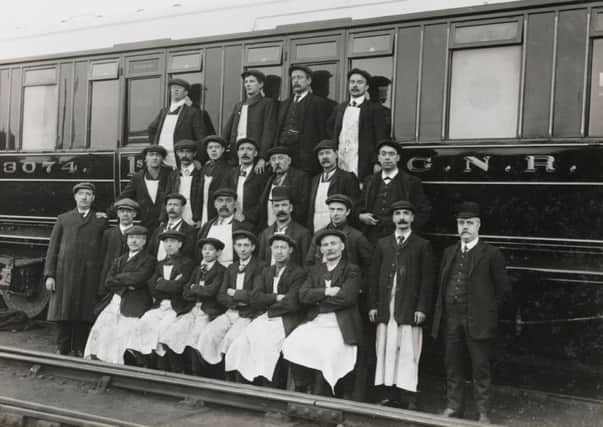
<point x="381" y="69"/>
<point x="40" y="110"/>
<point x="316" y="50"/>
<point x="484" y="92"/>
<point x="195" y="80"/>
<point x="103" y="114"/>
<point x="144" y="103"/>
<point x="274" y="78"/>
<point x="595" y="127"/>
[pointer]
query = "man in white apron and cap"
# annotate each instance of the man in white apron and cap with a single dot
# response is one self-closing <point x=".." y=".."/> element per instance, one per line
<point x="256" y="352"/>
<point x="328" y="341"/>
<point x="402" y="281"/>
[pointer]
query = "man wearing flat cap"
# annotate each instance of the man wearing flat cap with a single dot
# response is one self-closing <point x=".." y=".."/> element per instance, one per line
<point x="283" y="174"/>
<point x="71" y="270"/>
<point x="255" y="117"/>
<point x="114" y="242"/>
<point x="402" y="280"/>
<point x="284" y="224"/>
<point x="471" y="284"/>
<point x="174" y="206"/>
<point x="248" y="184"/>
<point x="148" y="186"/>
<point x="215" y="174"/>
<point x="302" y="120"/>
<point x="357" y="125"/>
<point x="384" y="188"/>
<point x="331" y="180"/>
<point x="176" y="122"/>
<point x="187" y="181"/>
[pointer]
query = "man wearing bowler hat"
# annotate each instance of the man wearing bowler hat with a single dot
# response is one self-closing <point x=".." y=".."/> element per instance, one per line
<point x="148" y="186"/>
<point x="71" y="271"/>
<point x="255" y="117"/>
<point x="358" y="125"/>
<point x="176" y="122"/>
<point x="302" y="120"/>
<point x="387" y="186"/>
<point x="471" y="283"/>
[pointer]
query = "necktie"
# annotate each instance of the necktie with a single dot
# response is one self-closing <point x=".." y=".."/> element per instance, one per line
<point x="465" y="249"/>
<point x="296" y="100"/>
<point x="353" y="103"/>
<point x="325" y="177"/>
<point x="186" y="172"/>
<point x="243" y="173"/>
<point x="399" y="240"/>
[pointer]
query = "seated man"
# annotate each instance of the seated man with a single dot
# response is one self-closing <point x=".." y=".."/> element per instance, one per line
<point x="200" y="293"/>
<point x="234" y="294"/>
<point x="256" y="351"/>
<point x="328" y="341"/>
<point x="166" y="289"/>
<point x="127" y="281"/>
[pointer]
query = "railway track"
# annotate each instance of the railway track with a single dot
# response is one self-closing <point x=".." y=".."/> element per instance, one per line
<point x="261" y="399"/>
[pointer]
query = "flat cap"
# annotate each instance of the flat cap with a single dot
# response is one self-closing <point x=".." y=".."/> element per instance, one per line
<point x="279" y="149"/>
<point x="216" y="243"/>
<point x="137" y="230"/>
<point x="389" y="143"/>
<point x="154" y="149"/>
<point x="283" y="237"/>
<point x="225" y="192"/>
<point x="126" y="203"/>
<point x="175" y="196"/>
<point x="247" y="141"/>
<point x="255" y="73"/>
<point x="301" y="67"/>
<point x="402" y="204"/>
<point x="340" y="198"/>
<point x="84" y="186"/>
<point x="172" y="234"/>
<point x="468" y="210"/>
<point x="244" y="234"/>
<point x="180" y="82"/>
<point x="214" y="138"/>
<point x="326" y="144"/>
<point x="363" y="73"/>
<point x="321" y="234"/>
<point x="279" y="193"/>
<point x="186" y="144"/>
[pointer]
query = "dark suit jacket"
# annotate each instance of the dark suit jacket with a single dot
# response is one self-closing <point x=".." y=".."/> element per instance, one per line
<point x="173" y="186"/>
<point x="263" y="299"/>
<point x="128" y="278"/>
<point x="241" y="300"/>
<point x="136" y="189"/>
<point x="206" y="294"/>
<point x="252" y="192"/>
<point x="221" y="172"/>
<point x="345" y="304"/>
<point x="372" y="128"/>
<point x="113" y="245"/>
<point x="486" y="284"/>
<point x="299" y="189"/>
<point x="311" y="123"/>
<point x="415" y="281"/>
<point x="261" y="124"/>
<point x="171" y="288"/>
<point x="342" y="182"/>
<point x="297" y="232"/>
<point x="188" y="248"/>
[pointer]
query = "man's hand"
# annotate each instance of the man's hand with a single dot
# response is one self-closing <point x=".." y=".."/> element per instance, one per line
<point x="373" y="315"/>
<point x="101" y="215"/>
<point x="280" y="297"/>
<point x="230" y="292"/>
<point x="368" y="218"/>
<point x="259" y="166"/>
<point x="376" y="168"/>
<point x="50" y="284"/>
<point x="419" y="317"/>
<point x="331" y="292"/>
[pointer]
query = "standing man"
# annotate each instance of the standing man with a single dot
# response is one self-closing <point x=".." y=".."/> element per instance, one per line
<point x="472" y="281"/>
<point x="332" y="180"/>
<point x="384" y="188"/>
<point x="302" y="120"/>
<point x="358" y="125"/>
<point x="248" y="184"/>
<point x="186" y="180"/>
<point x="72" y="268"/>
<point x="400" y="297"/>
<point x="215" y="174"/>
<point x="176" y="122"/>
<point x="253" y="118"/>
<point x="284" y="175"/>
<point x="148" y="186"/>
<point x="282" y="207"/>
<point x="174" y="206"/>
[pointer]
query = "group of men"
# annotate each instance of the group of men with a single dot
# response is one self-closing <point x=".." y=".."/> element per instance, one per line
<point x="261" y="255"/>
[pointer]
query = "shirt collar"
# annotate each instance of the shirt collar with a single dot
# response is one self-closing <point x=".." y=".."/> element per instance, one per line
<point x="132" y="254"/>
<point x="222" y="221"/>
<point x="175" y="224"/>
<point x="358" y="100"/>
<point x="209" y="265"/>
<point x="175" y="105"/>
<point x="84" y="213"/>
<point x="405" y="234"/>
<point x="471" y="244"/>
<point x="245" y="263"/>
<point x="190" y="168"/>
<point x="391" y="174"/>
<point x="123" y="229"/>
<point x="302" y="96"/>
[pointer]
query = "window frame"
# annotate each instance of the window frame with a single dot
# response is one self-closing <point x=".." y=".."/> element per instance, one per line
<point x="518" y="39"/>
<point x="367" y="34"/>
<point x="189" y="52"/>
<point x="300" y="41"/>
<point x="251" y="64"/>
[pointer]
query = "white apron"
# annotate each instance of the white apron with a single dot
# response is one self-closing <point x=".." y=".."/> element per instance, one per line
<point x="219" y="334"/>
<point x="270" y="213"/>
<point x="185" y="329"/>
<point x="206" y="183"/>
<point x="398" y="351"/>
<point x="242" y="127"/>
<point x="321" y="210"/>
<point x="152" y="188"/>
<point x="144" y="338"/>
<point x="348" y="140"/>
<point x="224" y="234"/>
<point x="166" y="138"/>
<point x="185" y="190"/>
<point x="108" y="336"/>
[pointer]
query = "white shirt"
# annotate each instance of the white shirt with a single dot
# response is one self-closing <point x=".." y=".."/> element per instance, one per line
<point x="405" y="234"/>
<point x="241" y="184"/>
<point x="302" y="96"/>
<point x="175" y="105"/>
<point x="167" y="271"/>
<point x="242" y="127"/>
<point x="390" y="174"/>
<point x="276" y="279"/>
<point x="152" y="188"/>
<point x="84" y="214"/>
<point x="241" y="276"/>
<point x="123" y="229"/>
<point x="132" y="254"/>
<point x="469" y="245"/>
<point x="186" y="180"/>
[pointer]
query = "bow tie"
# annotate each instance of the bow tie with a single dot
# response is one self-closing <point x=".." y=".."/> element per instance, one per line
<point x="242" y="268"/>
<point x="243" y="173"/>
<point x="353" y="104"/>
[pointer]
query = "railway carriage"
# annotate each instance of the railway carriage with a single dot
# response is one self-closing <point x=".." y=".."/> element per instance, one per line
<point x="501" y="103"/>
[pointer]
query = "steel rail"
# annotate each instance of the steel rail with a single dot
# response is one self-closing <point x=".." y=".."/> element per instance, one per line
<point x="225" y="393"/>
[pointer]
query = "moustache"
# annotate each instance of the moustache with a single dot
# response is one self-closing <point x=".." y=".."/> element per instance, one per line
<point x="281" y="213"/>
<point x="245" y="156"/>
<point x="223" y="209"/>
<point x="402" y="222"/>
<point x="171" y="210"/>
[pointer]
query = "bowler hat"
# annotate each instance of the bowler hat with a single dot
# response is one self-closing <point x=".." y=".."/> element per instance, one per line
<point x="255" y="73"/>
<point x="172" y="234"/>
<point x="340" y="198"/>
<point x="126" y="203"/>
<point x="186" y="144"/>
<point x="137" y="230"/>
<point x="180" y="82"/>
<point x="225" y="192"/>
<point x="216" y="243"/>
<point x="84" y="186"/>
<point x="176" y="196"/>
<point x="279" y="193"/>
<point x="154" y="149"/>
<point x="283" y="237"/>
<point x="403" y="204"/>
<point x="321" y="234"/>
<point x="326" y="144"/>
<point x="468" y="210"/>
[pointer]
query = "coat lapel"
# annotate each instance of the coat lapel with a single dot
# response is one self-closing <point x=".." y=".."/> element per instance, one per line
<point x="448" y="258"/>
<point x="477" y="254"/>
